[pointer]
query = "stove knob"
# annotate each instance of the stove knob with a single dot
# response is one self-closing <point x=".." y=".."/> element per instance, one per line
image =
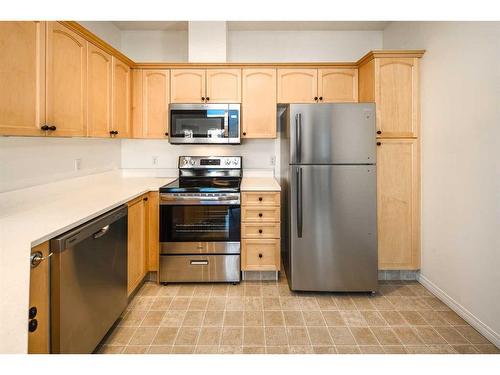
<point x="235" y="162"/>
<point x="227" y="162"/>
<point x="191" y="162"/>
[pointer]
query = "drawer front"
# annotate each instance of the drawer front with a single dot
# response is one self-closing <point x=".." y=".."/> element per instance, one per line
<point x="260" y="214"/>
<point x="258" y="230"/>
<point x="199" y="268"/>
<point x="260" y="255"/>
<point x="260" y="198"/>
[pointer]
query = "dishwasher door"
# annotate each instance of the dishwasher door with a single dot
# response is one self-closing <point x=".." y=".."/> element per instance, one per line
<point x="88" y="282"/>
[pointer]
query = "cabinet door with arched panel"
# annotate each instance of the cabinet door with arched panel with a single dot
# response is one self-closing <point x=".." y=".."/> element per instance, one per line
<point x="338" y="85"/>
<point x="223" y="86"/>
<point x="187" y="85"/>
<point x="297" y="85"/>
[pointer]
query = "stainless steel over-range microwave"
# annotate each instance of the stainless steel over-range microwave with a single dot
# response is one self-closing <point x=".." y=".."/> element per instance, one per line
<point x="204" y="123"/>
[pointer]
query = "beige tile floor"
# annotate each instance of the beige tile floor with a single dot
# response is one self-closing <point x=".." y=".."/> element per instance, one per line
<point x="266" y="317"/>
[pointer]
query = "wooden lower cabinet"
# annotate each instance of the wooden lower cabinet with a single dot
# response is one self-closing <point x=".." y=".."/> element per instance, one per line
<point x="137" y="242"/>
<point x="38" y="339"/>
<point x="260" y="231"/>
<point x="153" y="231"/>
<point x="398" y="204"/>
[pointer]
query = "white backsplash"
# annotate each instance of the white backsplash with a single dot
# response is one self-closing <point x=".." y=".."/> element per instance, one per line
<point x="145" y="157"/>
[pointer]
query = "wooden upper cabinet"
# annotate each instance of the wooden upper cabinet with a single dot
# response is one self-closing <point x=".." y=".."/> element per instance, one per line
<point x="22" y="78"/>
<point x="155" y="99"/>
<point x="398" y="197"/>
<point x="223" y="86"/>
<point x="259" y="103"/>
<point x="338" y="85"/>
<point x="396" y="95"/>
<point x="121" y="99"/>
<point x="187" y="85"/>
<point x="297" y="85"/>
<point x="66" y="81"/>
<point x="99" y="92"/>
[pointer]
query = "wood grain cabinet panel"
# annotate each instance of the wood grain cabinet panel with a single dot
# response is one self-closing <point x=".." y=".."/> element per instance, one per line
<point x="187" y="85"/>
<point x="338" y="85"/>
<point x="260" y="230"/>
<point x="260" y="255"/>
<point x="137" y="242"/>
<point x="297" y="85"/>
<point x="99" y="82"/>
<point x="398" y="197"/>
<point x="121" y="121"/>
<point x="38" y="340"/>
<point x="396" y="96"/>
<point x="22" y="77"/>
<point x="153" y="229"/>
<point x="223" y="86"/>
<point x="66" y="81"/>
<point x="155" y="99"/>
<point x="260" y="198"/>
<point x="259" y="103"/>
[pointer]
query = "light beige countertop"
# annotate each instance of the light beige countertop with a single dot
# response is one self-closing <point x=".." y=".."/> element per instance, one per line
<point x="259" y="184"/>
<point x="32" y="216"/>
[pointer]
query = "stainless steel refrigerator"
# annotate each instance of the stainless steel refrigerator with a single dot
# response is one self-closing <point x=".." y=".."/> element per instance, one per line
<point x="329" y="202"/>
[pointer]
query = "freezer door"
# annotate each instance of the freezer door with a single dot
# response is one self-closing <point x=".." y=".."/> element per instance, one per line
<point x="333" y="228"/>
<point x="332" y="133"/>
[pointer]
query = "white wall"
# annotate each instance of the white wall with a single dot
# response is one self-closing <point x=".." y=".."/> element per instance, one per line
<point x="158" y="46"/>
<point x="460" y="96"/>
<point x="29" y="161"/>
<point x="274" y="46"/>
<point x="207" y="41"/>
<point x="105" y="30"/>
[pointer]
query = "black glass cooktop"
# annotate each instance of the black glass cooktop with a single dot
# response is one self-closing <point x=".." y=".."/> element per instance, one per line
<point x="202" y="185"/>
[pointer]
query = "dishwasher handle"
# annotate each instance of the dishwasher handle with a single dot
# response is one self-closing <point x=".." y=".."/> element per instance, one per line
<point x="101" y="232"/>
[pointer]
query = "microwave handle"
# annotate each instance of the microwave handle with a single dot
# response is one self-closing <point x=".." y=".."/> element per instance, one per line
<point x="226" y="123"/>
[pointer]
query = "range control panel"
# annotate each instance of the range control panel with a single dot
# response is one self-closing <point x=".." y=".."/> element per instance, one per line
<point x="192" y="162"/>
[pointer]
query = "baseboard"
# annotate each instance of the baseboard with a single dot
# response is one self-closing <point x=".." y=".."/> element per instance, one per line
<point x="465" y="314"/>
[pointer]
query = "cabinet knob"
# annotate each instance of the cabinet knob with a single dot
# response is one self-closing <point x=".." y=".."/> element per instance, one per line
<point x="316" y="98"/>
<point x="208" y="98"/>
<point x="32" y="325"/>
<point x="145" y="199"/>
<point x="166" y="134"/>
<point x="244" y="133"/>
<point x="320" y="98"/>
<point x="260" y="214"/>
<point x="260" y="199"/>
<point x="260" y="255"/>
<point x="202" y="98"/>
<point x="379" y="132"/>
<point x="44" y="128"/>
<point x="32" y="312"/>
<point x="52" y="128"/>
<point x="260" y="231"/>
<point x="378" y="143"/>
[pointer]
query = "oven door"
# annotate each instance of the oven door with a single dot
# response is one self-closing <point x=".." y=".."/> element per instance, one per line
<point x="193" y="229"/>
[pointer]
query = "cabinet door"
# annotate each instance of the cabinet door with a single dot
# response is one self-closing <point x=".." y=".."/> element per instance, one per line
<point x="121" y="98"/>
<point x="297" y="85"/>
<point x="398" y="190"/>
<point x="137" y="103"/>
<point x="66" y="81"/>
<point x="155" y="101"/>
<point x="259" y="103"/>
<point x="136" y="242"/>
<point x="22" y="77"/>
<point x="396" y="95"/>
<point x="187" y="85"/>
<point x="153" y="229"/>
<point x="338" y="85"/>
<point x="99" y="92"/>
<point x="38" y="340"/>
<point x="223" y="86"/>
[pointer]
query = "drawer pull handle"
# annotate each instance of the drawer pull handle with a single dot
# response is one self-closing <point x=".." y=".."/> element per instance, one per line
<point x="260" y="199"/>
<point x="260" y="231"/>
<point x="260" y="255"/>
<point x="260" y="214"/>
<point x="199" y="262"/>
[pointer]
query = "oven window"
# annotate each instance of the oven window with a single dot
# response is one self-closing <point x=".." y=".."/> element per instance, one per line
<point x="196" y="124"/>
<point x="199" y="223"/>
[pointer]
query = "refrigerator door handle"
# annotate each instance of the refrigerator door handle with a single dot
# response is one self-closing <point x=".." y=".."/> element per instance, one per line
<point x="298" y="135"/>
<point x="299" y="202"/>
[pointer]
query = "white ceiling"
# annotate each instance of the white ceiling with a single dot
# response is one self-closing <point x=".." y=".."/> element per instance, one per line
<point x="258" y="25"/>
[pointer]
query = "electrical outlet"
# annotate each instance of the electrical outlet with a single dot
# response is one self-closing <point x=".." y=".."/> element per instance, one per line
<point x="78" y="164"/>
<point x="155" y="160"/>
<point x="272" y="160"/>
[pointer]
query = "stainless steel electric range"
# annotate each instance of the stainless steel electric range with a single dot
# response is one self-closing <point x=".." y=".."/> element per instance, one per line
<point x="200" y="221"/>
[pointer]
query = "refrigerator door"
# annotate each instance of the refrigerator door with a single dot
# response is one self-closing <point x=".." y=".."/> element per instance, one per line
<point x="332" y="133"/>
<point x="333" y="228"/>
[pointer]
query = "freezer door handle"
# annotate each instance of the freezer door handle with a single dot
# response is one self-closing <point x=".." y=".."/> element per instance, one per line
<point x="299" y="202"/>
<point x="298" y="135"/>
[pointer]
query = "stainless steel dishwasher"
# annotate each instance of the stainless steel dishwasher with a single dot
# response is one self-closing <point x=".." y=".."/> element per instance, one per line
<point x="88" y="289"/>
